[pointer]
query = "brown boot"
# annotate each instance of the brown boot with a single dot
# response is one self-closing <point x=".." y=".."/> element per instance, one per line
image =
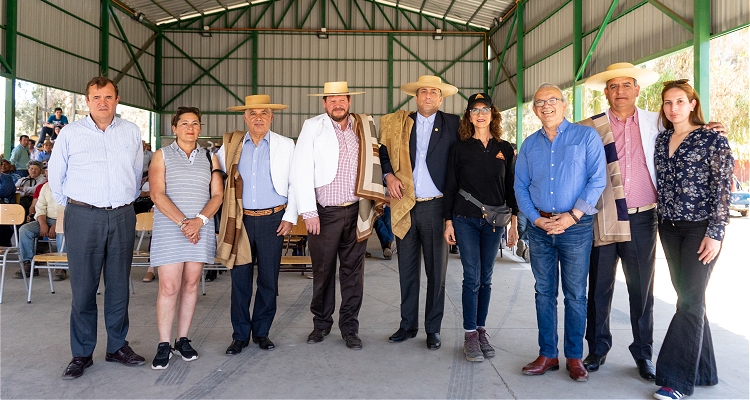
<point x="472" y="350"/>
<point x="27" y="269"/>
<point x="484" y="343"/>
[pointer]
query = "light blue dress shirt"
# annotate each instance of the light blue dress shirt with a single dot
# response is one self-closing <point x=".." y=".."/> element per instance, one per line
<point x="101" y="168"/>
<point x="423" y="184"/>
<point x="555" y="177"/>
<point x="255" y="168"/>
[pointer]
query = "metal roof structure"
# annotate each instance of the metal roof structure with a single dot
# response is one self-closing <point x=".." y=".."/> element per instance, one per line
<point x="479" y="13"/>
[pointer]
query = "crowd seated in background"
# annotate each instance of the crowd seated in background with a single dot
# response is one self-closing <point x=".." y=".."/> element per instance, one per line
<point x="8" y="168"/>
<point x="44" y="225"/>
<point x="19" y="157"/>
<point x="27" y="185"/>
<point x="46" y="152"/>
<point x="56" y="120"/>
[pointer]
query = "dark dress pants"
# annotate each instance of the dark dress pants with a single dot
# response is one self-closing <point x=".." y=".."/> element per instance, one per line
<point x="338" y="237"/>
<point x="638" y="261"/>
<point x="425" y="236"/>
<point x="266" y="248"/>
<point x="686" y="358"/>
<point x="99" y="240"/>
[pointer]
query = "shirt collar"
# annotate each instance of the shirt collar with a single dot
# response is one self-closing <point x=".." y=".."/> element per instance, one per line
<point x="349" y="125"/>
<point x="266" y="137"/>
<point x="422" y="119"/>
<point x="92" y="124"/>
<point x="634" y="117"/>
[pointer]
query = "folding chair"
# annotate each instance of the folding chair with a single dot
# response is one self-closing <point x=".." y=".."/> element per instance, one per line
<point x="293" y="263"/>
<point x="144" y="222"/>
<point x="11" y="214"/>
<point x="50" y="261"/>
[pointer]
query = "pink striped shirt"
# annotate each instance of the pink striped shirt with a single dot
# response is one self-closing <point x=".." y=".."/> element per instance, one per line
<point x="341" y="189"/>
<point x="639" y="189"/>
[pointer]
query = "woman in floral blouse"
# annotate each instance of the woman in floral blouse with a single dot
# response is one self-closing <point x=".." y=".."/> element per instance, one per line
<point x="694" y="168"/>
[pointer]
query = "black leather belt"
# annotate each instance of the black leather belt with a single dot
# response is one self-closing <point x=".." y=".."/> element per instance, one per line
<point x="80" y="203"/>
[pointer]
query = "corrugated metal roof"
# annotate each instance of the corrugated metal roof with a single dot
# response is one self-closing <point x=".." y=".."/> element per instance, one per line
<point x="479" y="13"/>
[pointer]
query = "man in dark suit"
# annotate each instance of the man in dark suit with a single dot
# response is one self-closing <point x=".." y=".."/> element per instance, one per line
<point x="413" y="157"/>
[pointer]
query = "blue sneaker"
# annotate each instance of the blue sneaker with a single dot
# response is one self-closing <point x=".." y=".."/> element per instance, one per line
<point x="666" y="393"/>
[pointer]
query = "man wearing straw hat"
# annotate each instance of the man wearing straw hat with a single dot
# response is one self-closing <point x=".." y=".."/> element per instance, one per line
<point x="258" y="210"/>
<point x="414" y="156"/>
<point x="625" y="227"/>
<point x="337" y="179"/>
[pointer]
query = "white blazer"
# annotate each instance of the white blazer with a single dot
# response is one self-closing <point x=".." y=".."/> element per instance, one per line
<point x="316" y="159"/>
<point x="648" y="124"/>
<point x="281" y="150"/>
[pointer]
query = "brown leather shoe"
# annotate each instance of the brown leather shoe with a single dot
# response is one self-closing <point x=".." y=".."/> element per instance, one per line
<point x="541" y="365"/>
<point x="125" y="356"/>
<point x="577" y="370"/>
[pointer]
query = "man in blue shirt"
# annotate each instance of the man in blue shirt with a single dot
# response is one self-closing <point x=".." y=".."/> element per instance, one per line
<point x="96" y="171"/>
<point x="20" y="156"/>
<point x="560" y="174"/>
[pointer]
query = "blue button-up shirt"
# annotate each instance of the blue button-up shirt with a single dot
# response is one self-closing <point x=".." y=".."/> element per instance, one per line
<point x="101" y="168"/>
<point x="255" y="168"/>
<point x="423" y="184"/>
<point x="557" y="176"/>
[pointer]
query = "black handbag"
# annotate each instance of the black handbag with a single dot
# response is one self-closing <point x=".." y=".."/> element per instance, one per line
<point x="497" y="216"/>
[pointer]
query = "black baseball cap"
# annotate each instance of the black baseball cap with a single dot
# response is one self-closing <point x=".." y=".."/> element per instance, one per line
<point x="483" y="98"/>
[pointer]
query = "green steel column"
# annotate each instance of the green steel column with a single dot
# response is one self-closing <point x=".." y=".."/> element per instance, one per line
<point x="701" y="51"/>
<point x="11" y="30"/>
<point x="519" y="72"/>
<point x="577" y="58"/>
<point x="486" y="64"/>
<point x="255" y="62"/>
<point x="104" y="39"/>
<point x="159" y="49"/>
<point x="390" y="73"/>
<point x="157" y="131"/>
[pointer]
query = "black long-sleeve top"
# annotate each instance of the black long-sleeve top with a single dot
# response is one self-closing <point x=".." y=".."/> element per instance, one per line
<point x="486" y="173"/>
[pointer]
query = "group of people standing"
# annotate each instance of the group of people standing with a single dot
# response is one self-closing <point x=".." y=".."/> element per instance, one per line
<point x="441" y="173"/>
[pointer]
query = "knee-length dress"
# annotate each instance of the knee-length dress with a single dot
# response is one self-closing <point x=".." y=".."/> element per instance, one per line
<point x="187" y="185"/>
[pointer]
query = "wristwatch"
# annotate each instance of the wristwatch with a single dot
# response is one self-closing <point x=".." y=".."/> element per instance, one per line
<point x="202" y="217"/>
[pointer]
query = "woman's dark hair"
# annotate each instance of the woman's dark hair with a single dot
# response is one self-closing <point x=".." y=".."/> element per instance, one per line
<point x="185" y="110"/>
<point x="696" y="116"/>
<point x="466" y="128"/>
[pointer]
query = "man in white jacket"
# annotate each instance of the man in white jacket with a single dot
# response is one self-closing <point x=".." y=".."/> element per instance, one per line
<point x="325" y="177"/>
<point x="257" y="163"/>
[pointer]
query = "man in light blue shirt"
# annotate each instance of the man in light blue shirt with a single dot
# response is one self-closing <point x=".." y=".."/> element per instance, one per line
<point x="20" y="156"/>
<point x="95" y="171"/>
<point x="560" y="174"/>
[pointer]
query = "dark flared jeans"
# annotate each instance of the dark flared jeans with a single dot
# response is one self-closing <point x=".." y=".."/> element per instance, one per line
<point x="479" y="242"/>
<point x="686" y="358"/>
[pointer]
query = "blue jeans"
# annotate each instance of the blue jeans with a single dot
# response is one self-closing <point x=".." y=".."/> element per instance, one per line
<point x="479" y="246"/>
<point x="27" y="233"/>
<point x="383" y="228"/>
<point x="570" y="250"/>
<point x="523" y="227"/>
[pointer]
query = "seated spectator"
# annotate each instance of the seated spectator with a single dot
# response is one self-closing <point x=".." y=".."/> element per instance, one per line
<point x="27" y="185"/>
<point x="33" y="151"/>
<point x="7" y="185"/>
<point x="44" y="155"/>
<point x="147" y="156"/>
<point x="45" y="225"/>
<point x="55" y="120"/>
<point x="19" y="157"/>
<point x="7" y="168"/>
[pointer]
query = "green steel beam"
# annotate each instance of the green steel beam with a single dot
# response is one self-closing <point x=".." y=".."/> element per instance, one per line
<point x="598" y="36"/>
<point x="262" y="14"/>
<point x="134" y="59"/>
<point x="520" y="6"/>
<point x="307" y="14"/>
<point x="341" y="17"/>
<point x="239" y="16"/>
<point x="385" y="17"/>
<point x="671" y="14"/>
<point x="502" y="55"/>
<point x="11" y="45"/>
<point x="468" y="21"/>
<point x="5" y="64"/>
<point x="157" y="130"/>
<point x="158" y="81"/>
<point x="701" y="52"/>
<point x="550" y="15"/>
<point x="104" y="38"/>
<point x="283" y="13"/>
<point x="390" y="73"/>
<point x="323" y="13"/>
<point x="254" y="63"/>
<point x="577" y="58"/>
<point x="364" y="17"/>
<point x="408" y="19"/>
<point x="206" y="71"/>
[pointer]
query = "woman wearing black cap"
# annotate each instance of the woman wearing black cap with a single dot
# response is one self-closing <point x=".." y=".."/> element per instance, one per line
<point x="482" y="165"/>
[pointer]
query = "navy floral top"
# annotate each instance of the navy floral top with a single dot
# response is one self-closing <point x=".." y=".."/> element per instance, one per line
<point x="694" y="184"/>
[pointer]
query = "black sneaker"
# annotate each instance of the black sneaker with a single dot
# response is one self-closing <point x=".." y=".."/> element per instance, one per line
<point x="163" y="354"/>
<point x="187" y="351"/>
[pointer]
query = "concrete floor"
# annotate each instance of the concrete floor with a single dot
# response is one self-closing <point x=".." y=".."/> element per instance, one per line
<point x="35" y="349"/>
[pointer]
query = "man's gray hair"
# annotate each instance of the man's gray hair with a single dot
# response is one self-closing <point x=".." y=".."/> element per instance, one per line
<point x="549" y="85"/>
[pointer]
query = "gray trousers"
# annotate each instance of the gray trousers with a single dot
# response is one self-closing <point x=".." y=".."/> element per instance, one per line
<point x="99" y="240"/>
<point x="425" y="236"/>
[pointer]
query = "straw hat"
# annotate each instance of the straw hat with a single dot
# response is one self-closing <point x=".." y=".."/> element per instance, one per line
<point x="429" y="81"/>
<point x="258" y="101"/>
<point x="335" y="89"/>
<point x="643" y="76"/>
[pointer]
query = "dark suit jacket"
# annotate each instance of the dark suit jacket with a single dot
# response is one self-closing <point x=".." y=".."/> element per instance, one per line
<point x="444" y="135"/>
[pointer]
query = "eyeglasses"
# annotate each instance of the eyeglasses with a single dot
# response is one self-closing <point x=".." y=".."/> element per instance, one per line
<point x="552" y="102"/>
<point x="477" y="111"/>
<point x="676" y="82"/>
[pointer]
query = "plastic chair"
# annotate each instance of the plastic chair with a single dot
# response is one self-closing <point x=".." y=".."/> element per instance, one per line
<point x="11" y="214"/>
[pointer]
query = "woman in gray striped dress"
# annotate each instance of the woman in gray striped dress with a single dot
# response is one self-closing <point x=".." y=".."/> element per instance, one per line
<point x="187" y="190"/>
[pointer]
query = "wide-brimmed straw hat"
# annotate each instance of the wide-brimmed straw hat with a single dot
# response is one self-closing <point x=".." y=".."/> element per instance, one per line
<point x="429" y="81"/>
<point x="258" y="101"/>
<point x="335" y="89"/>
<point x="643" y="76"/>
